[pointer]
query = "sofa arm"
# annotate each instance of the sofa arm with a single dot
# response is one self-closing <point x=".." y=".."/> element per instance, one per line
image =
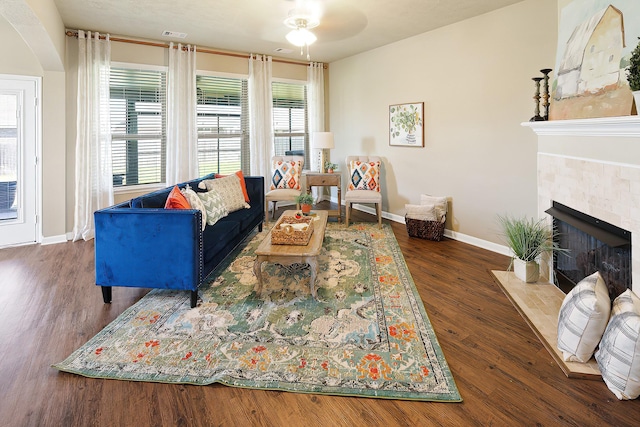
<point x="255" y="189"/>
<point x="152" y="248"/>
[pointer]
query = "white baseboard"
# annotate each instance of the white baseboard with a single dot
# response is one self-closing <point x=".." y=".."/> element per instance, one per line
<point x="52" y="240"/>
<point x="484" y="244"/>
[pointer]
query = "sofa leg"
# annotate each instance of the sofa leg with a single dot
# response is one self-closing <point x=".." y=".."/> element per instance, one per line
<point x="260" y="228"/>
<point x="106" y="294"/>
<point x="194" y="299"/>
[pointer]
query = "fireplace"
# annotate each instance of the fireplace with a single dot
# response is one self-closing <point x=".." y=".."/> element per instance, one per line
<point x="592" y="166"/>
<point x="594" y="245"/>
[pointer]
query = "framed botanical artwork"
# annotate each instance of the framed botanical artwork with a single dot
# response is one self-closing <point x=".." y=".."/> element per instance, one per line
<point x="406" y="124"/>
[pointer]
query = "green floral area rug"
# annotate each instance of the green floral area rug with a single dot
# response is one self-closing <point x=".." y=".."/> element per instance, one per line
<point x="367" y="334"/>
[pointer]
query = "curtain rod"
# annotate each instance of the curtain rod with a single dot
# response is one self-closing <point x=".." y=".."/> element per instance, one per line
<point x="74" y="33"/>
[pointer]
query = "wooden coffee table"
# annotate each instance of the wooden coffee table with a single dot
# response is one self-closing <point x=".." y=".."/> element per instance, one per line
<point x="293" y="254"/>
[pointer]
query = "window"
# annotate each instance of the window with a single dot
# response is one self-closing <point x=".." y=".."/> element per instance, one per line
<point x="290" y="118"/>
<point x="223" y="125"/>
<point x="138" y="125"/>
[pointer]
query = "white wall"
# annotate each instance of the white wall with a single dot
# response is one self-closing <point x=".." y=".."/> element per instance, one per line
<point x="18" y="58"/>
<point x="475" y="80"/>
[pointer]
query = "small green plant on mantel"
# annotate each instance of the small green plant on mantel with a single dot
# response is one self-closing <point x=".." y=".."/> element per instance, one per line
<point x="304" y="199"/>
<point x="528" y="239"/>
<point x="633" y="72"/>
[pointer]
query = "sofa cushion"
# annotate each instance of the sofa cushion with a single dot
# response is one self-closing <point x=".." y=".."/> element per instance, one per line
<point x="364" y="176"/>
<point x="155" y="200"/>
<point x="230" y="189"/>
<point x="176" y="200"/>
<point x="619" y="354"/>
<point x="583" y="318"/>
<point x="286" y="174"/>
<point x="217" y="236"/>
<point x="245" y="217"/>
<point x="214" y="205"/>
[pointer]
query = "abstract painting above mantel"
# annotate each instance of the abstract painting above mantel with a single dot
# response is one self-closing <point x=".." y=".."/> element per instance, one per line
<point x="595" y="40"/>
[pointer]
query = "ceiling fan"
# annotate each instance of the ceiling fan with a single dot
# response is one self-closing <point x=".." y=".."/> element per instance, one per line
<point x="301" y="19"/>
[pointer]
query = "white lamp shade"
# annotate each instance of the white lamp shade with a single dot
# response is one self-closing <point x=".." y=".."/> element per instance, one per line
<point x="322" y="140"/>
<point x="301" y="37"/>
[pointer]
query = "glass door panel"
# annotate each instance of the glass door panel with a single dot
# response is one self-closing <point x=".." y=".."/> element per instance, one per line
<point x="8" y="156"/>
<point x="19" y="113"/>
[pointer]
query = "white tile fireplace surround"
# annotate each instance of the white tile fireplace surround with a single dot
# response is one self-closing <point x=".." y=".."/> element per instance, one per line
<point x="593" y="166"/>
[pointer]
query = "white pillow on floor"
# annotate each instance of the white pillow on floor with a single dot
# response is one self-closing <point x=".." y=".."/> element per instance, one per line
<point x="619" y="354"/>
<point x="583" y="318"/>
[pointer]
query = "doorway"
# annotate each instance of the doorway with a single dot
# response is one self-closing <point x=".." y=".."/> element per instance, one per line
<point x="18" y="159"/>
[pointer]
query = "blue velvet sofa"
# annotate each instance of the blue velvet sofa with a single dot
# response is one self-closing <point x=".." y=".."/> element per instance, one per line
<point x="140" y="244"/>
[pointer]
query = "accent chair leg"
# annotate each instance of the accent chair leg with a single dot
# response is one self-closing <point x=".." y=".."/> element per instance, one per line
<point x="379" y="212"/>
<point x="106" y="294"/>
<point x="347" y="208"/>
<point x="273" y="213"/>
<point x="194" y="299"/>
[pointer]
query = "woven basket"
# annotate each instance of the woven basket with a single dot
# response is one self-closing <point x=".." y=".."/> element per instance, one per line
<point x="431" y="230"/>
<point x="283" y="235"/>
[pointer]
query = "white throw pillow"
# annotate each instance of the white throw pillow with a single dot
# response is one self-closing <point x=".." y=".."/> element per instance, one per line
<point x="440" y="203"/>
<point x="583" y="318"/>
<point x="230" y="189"/>
<point x="195" y="203"/>
<point x="619" y="354"/>
<point x="422" y="212"/>
<point x="214" y="205"/>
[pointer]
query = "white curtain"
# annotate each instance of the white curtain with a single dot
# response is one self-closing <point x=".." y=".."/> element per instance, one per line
<point x="93" y="176"/>
<point x="260" y="112"/>
<point x="315" y="104"/>
<point x="182" y="138"/>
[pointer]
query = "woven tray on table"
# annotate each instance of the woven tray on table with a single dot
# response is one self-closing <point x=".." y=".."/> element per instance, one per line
<point x="284" y="234"/>
<point x="431" y="230"/>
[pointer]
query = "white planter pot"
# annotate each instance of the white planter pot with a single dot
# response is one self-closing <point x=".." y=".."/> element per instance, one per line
<point x="527" y="271"/>
<point x="636" y="98"/>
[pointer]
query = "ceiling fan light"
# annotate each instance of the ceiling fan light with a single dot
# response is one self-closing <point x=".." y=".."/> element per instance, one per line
<point x="301" y="37"/>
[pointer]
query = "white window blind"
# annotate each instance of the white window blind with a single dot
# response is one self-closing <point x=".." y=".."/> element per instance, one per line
<point x="290" y="118"/>
<point x="223" y="125"/>
<point x="138" y="125"/>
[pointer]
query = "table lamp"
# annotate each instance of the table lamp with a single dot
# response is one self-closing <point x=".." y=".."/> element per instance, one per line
<point x="322" y="141"/>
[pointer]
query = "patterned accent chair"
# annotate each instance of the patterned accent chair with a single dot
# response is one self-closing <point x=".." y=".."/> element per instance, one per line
<point x="285" y="182"/>
<point x="364" y="184"/>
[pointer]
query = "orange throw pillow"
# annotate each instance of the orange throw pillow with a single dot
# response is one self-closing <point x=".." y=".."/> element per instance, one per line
<point x="176" y="200"/>
<point x="242" y="184"/>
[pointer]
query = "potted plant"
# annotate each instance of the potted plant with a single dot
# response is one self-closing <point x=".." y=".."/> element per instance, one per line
<point x="305" y="201"/>
<point x="528" y="239"/>
<point x="330" y="167"/>
<point x="633" y="75"/>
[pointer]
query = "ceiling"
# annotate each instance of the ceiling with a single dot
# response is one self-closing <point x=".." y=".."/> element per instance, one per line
<point x="347" y="27"/>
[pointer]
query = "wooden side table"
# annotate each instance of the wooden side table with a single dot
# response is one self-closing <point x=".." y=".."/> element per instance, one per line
<point x="318" y="179"/>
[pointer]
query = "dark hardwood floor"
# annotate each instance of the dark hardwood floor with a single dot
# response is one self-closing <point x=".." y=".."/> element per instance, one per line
<point x="49" y="306"/>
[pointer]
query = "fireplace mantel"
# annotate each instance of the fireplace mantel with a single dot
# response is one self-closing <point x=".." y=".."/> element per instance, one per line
<point x="627" y="126"/>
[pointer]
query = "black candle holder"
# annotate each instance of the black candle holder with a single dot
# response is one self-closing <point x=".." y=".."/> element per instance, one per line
<point x="546" y="95"/>
<point x="537" y="117"/>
